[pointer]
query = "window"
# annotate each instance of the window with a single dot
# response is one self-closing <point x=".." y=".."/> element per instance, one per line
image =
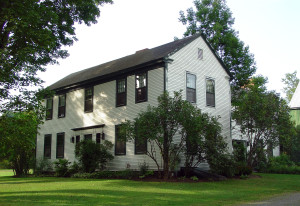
<point x="140" y="146"/>
<point x="49" y="108"/>
<point x="210" y="92"/>
<point x="191" y="87"/>
<point x="121" y="92"/>
<point x="77" y="139"/>
<point x="47" y="146"/>
<point x="141" y="87"/>
<point x="88" y="137"/>
<point x="60" y="145"/>
<point x="88" y="99"/>
<point x="61" y="106"/>
<point x="120" y="145"/>
<point x="200" y="53"/>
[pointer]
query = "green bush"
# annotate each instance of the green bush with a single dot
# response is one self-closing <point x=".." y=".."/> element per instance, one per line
<point x="282" y="165"/>
<point x="125" y="174"/>
<point x="43" y="166"/>
<point x="92" y="156"/>
<point x="62" y="168"/>
<point x="243" y="169"/>
<point x="222" y="164"/>
<point x="5" y="164"/>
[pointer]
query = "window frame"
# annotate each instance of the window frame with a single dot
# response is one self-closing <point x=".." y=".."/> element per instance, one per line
<point x="47" y="146"/>
<point x="59" y="114"/>
<point x="60" y="156"/>
<point x="140" y="152"/>
<point x="194" y="90"/>
<point x="137" y="88"/>
<point x="210" y="93"/>
<point x="118" y="153"/>
<point x="121" y="93"/>
<point x="88" y="137"/>
<point x="49" y="117"/>
<point x="88" y="110"/>
<point x="77" y="139"/>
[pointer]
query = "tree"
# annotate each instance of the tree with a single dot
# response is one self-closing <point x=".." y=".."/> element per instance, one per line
<point x="17" y="139"/>
<point x="263" y="119"/>
<point x="214" y="20"/>
<point x="175" y="127"/>
<point x="291" y="82"/>
<point x="32" y="34"/>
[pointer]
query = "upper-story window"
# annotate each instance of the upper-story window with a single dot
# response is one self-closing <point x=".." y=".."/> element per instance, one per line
<point x="88" y="99"/>
<point x="200" y="53"/>
<point x="121" y="92"/>
<point x="49" y="108"/>
<point x="61" y="106"/>
<point x="191" y="87"/>
<point x="210" y="92"/>
<point x="141" y="87"/>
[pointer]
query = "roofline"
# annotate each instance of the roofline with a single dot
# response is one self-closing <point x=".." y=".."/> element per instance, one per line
<point x="217" y="56"/>
<point x="108" y="77"/>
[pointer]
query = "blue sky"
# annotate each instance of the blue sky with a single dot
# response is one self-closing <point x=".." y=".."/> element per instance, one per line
<point x="271" y="28"/>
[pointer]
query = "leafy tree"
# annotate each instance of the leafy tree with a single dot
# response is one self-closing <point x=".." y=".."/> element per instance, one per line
<point x="176" y="127"/>
<point x="92" y="156"/>
<point x="32" y="34"/>
<point x="17" y="139"/>
<point x="291" y="82"/>
<point x="264" y="119"/>
<point x="214" y="20"/>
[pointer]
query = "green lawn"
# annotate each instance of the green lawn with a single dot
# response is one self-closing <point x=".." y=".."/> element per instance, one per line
<point x="68" y="191"/>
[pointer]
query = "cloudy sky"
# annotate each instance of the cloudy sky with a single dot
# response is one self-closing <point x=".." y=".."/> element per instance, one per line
<point x="271" y="28"/>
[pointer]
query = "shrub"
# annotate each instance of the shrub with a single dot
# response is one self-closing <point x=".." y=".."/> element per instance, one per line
<point x="282" y="165"/>
<point x="222" y="164"/>
<point x="62" y="168"/>
<point x="5" y="164"/>
<point x="143" y="168"/>
<point x="74" y="168"/>
<point x="92" y="156"/>
<point x="243" y="169"/>
<point x="43" y="166"/>
<point x="125" y="174"/>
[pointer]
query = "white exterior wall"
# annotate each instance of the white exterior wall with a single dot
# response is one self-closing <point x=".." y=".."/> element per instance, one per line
<point x="186" y="60"/>
<point x="104" y="112"/>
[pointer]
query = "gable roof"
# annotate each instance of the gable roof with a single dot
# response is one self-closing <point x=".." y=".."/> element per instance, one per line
<point x="116" y="67"/>
<point x="295" y="101"/>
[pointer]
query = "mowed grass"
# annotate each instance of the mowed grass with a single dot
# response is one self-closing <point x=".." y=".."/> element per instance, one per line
<point x="69" y="191"/>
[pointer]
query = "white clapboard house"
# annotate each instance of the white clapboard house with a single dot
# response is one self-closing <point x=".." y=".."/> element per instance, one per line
<point x="92" y="103"/>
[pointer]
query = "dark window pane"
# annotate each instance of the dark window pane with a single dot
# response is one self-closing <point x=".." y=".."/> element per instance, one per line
<point x="191" y="87"/>
<point x="210" y="92"/>
<point x="88" y="100"/>
<point x="60" y="145"/>
<point x="141" y="94"/>
<point x="62" y="106"/>
<point x="77" y="138"/>
<point x="88" y="137"/>
<point x="47" y="146"/>
<point x="121" y="92"/>
<point x="141" y="146"/>
<point x="49" y="108"/>
<point x="120" y="145"/>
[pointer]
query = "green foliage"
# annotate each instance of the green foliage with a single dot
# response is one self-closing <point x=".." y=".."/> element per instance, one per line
<point x="264" y="120"/>
<point x="61" y="167"/>
<point x="214" y="20"/>
<point x="43" y="166"/>
<point x="222" y="164"/>
<point x="5" y="164"/>
<point x="291" y="82"/>
<point x="282" y="165"/>
<point x="32" y="35"/>
<point x="200" y="134"/>
<point x="125" y="174"/>
<point x="194" y="178"/>
<point x="17" y="140"/>
<point x="92" y="156"/>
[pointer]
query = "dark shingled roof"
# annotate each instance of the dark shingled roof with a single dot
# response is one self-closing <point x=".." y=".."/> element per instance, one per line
<point x="143" y="57"/>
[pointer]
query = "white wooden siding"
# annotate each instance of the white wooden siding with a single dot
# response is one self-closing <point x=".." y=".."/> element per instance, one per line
<point x="104" y="112"/>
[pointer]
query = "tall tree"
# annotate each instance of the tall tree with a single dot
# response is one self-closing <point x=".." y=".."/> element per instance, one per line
<point x="263" y="118"/>
<point x="32" y="34"/>
<point x="291" y="82"/>
<point x="17" y="139"/>
<point x="175" y="128"/>
<point x="214" y="20"/>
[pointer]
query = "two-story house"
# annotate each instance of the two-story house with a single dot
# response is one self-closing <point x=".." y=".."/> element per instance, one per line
<point x="90" y="104"/>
